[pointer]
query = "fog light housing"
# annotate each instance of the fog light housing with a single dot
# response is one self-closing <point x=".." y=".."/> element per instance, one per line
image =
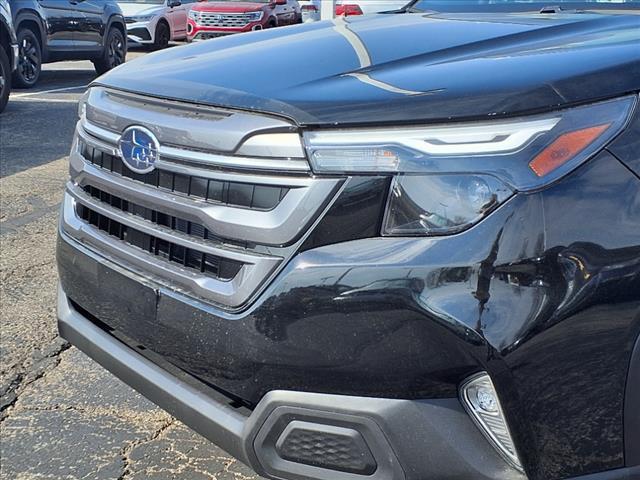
<point x="480" y="399"/>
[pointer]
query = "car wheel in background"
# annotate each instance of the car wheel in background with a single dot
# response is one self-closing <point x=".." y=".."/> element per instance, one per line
<point x="162" y="37"/>
<point x="114" y="53"/>
<point x="29" y="61"/>
<point x="5" y="79"/>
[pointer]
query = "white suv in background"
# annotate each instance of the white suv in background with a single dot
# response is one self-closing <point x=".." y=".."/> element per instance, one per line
<point x="310" y="10"/>
<point x="156" y="22"/>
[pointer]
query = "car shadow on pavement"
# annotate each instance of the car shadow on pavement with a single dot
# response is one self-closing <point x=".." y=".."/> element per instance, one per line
<point x="36" y="130"/>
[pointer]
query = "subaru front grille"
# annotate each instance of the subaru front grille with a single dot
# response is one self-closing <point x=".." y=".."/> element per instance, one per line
<point x="228" y="200"/>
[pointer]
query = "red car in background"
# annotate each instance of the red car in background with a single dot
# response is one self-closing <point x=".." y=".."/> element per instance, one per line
<point x="214" y="19"/>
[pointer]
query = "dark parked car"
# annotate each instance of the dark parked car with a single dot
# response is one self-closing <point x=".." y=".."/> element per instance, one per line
<point x="8" y="52"/>
<point x="406" y="248"/>
<point x="54" y="30"/>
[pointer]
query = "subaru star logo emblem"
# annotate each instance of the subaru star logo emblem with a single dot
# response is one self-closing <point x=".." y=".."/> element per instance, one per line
<point x="139" y="149"/>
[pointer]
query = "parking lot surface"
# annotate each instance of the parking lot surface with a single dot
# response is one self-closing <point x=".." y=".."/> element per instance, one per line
<point x="61" y="415"/>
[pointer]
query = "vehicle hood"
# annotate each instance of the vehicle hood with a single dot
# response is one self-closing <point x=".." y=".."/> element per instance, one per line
<point x="401" y="68"/>
<point x="229" y="7"/>
<point x="130" y="9"/>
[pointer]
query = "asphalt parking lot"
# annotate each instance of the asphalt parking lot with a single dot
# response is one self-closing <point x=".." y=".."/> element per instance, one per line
<point x="61" y="415"/>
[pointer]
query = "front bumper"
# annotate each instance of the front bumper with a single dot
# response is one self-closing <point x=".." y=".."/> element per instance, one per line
<point x="533" y="295"/>
<point x="377" y="439"/>
<point x="140" y="33"/>
<point x="197" y="32"/>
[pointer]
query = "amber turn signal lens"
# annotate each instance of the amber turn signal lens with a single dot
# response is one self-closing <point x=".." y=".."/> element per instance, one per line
<point x="564" y="148"/>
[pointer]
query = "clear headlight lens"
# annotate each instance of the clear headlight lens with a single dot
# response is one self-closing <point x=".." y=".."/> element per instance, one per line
<point x="254" y="16"/>
<point x="82" y="103"/>
<point x="448" y="177"/>
<point x="520" y="151"/>
<point x="141" y="18"/>
<point x="440" y="204"/>
<point x="194" y="15"/>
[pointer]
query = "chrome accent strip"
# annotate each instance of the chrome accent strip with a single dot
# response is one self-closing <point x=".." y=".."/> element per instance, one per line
<point x="100" y="133"/>
<point x="197" y="157"/>
<point x="179" y="124"/>
<point x="287" y="145"/>
<point x="279" y="226"/>
<point x="231" y="293"/>
<point x="241" y="177"/>
<point x="95" y="142"/>
<point x="253" y="163"/>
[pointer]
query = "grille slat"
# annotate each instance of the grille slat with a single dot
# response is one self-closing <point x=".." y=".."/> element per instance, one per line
<point x="233" y="194"/>
<point x="221" y="268"/>
<point x="192" y="229"/>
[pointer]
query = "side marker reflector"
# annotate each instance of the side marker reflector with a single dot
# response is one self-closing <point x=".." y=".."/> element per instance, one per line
<point x="564" y="148"/>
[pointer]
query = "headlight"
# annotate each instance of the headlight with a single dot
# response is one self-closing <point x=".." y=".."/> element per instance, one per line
<point x="254" y="16"/>
<point x="194" y="15"/>
<point x="141" y="18"/>
<point x="440" y="204"/>
<point x="448" y="177"/>
<point x="82" y="103"/>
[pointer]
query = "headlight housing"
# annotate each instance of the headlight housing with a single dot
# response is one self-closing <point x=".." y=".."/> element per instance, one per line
<point x="82" y="103"/>
<point x="448" y="177"/>
<point x="141" y="18"/>
<point x="194" y="15"/>
<point x="255" y="16"/>
<point x="440" y="204"/>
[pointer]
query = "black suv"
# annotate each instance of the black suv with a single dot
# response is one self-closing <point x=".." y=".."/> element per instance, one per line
<point x="54" y="30"/>
<point x="407" y="249"/>
<point x="8" y="52"/>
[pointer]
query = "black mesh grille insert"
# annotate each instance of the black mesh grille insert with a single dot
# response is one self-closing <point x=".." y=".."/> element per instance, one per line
<point x="255" y="197"/>
<point x="212" y="265"/>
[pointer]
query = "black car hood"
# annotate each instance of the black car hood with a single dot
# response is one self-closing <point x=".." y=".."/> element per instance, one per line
<point x="404" y="68"/>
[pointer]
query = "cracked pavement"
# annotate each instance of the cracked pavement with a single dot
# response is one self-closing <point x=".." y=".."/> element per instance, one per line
<point x="61" y="415"/>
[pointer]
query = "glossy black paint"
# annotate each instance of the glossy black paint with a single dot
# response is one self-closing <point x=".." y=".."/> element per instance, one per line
<point x="357" y="213"/>
<point x="412" y="67"/>
<point x="631" y="411"/>
<point x="627" y="146"/>
<point x="541" y="294"/>
<point x="7" y="36"/>
<point x="544" y="294"/>
<point x="68" y="30"/>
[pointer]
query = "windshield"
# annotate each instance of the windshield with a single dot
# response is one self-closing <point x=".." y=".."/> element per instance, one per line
<point x="518" y="5"/>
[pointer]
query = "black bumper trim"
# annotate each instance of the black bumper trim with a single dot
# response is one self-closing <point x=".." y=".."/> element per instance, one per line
<point x="219" y="424"/>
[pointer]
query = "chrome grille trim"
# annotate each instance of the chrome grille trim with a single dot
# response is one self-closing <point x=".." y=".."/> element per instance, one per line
<point x="101" y="138"/>
<point x="166" y="233"/>
<point x="224" y="20"/>
<point x="258" y="239"/>
<point x="232" y="293"/>
<point x="279" y="226"/>
<point x="95" y="142"/>
<point x="179" y="124"/>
